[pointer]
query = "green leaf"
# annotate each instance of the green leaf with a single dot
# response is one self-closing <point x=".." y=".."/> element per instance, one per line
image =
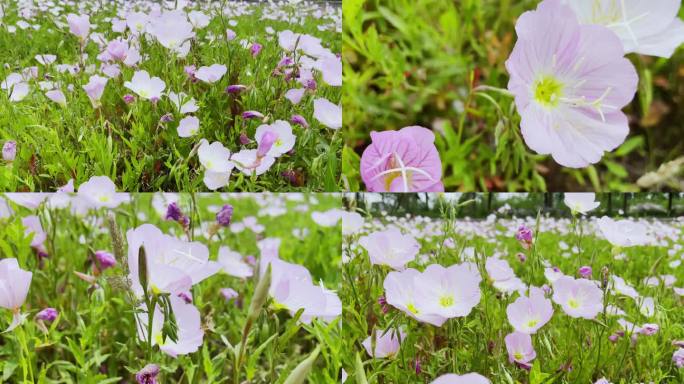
<point x="351" y="163"/>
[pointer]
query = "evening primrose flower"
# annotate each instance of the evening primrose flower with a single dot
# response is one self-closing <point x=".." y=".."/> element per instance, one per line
<point x="14" y="286"/>
<point x="402" y="161"/>
<point x="183" y="103"/>
<point x="212" y="73"/>
<point x="648" y="28"/>
<point x="623" y="233"/>
<point x="468" y="378"/>
<point x="188" y="126"/>
<point x="147" y="87"/>
<point x="528" y="314"/>
<point x="390" y="247"/>
<point x="578" y="297"/>
<point x="284" y="140"/>
<point x="520" y="349"/>
<point x="100" y="192"/>
<point x="173" y="31"/>
<point x="57" y="96"/>
<point x="190" y="334"/>
<point x="581" y="202"/>
<point x="232" y="263"/>
<point x="570" y="82"/>
<point x="327" y="113"/>
<point x="387" y="343"/>
<point x="95" y="88"/>
<point x="79" y="25"/>
<point x="251" y="163"/>
<point x="216" y="160"/>
<point x="9" y="150"/>
<point x="147" y="375"/>
<point x="448" y="292"/>
<point x="401" y="294"/>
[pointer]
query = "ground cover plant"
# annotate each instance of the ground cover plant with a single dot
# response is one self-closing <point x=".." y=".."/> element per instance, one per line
<point x="171" y="96"/>
<point x="534" y="299"/>
<point x="516" y="95"/>
<point x="240" y="288"/>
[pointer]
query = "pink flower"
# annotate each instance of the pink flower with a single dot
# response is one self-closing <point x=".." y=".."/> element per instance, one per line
<point x="402" y="161"/>
<point x="299" y="119"/>
<point x="331" y="68"/>
<point x="211" y="74"/>
<point x="248" y="161"/>
<point x="117" y="49"/>
<point x="468" y="378"/>
<point x="57" y="96"/>
<point x="390" y="247"/>
<point x="570" y="82"/>
<point x="327" y="113"/>
<point x="519" y="347"/>
<point x="172" y="30"/>
<point x="448" y="292"/>
<point x="147" y="87"/>
<point x="105" y="259"/>
<point x="47" y="314"/>
<point x="79" y="25"/>
<point x="187" y="317"/>
<point x="623" y="233"/>
<point x="528" y="314"/>
<point x="232" y="263"/>
<point x="95" y="88"/>
<point x="678" y="358"/>
<point x="255" y="49"/>
<point x="14" y="286"/>
<point x="280" y="132"/>
<point x="387" y="343"/>
<point x="188" y="127"/>
<point x="401" y="294"/>
<point x="9" y="150"/>
<point x="578" y="297"/>
<point x="230" y="34"/>
<point x="295" y="95"/>
<point x="100" y="191"/>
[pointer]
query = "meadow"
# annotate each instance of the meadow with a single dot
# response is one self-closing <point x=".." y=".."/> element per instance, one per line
<point x="442" y="65"/>
<point x="572" y="299"/>
<point x="241" y="288"/>
<point x="171" y="96"/>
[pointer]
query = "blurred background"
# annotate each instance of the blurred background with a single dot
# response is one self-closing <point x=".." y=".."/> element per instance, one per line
<point x="416" y="62"/>
<point x="481" y="205"/>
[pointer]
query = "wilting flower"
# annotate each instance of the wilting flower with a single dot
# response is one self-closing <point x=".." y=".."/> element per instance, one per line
<point x="148" y="375"/>
<point x="224" y="216"/>
<point x="581" y="202"/>
<point x="570" y="82"/>
<point x="100" y="191"/>
<point x="281" y="135"/>
<point x="468" y="378"/>
<point x="9" y="150"/>
<point x="327" y="113"/>
<point x="387" y="343"/>
<point x="95" y="88"/>
<point x="145" y="86"/>
<point x="188" y="126"/>
<point x="578" y="297"/>
<point x="390" y="247"/>
<point x="623" y="233"/>
<point x="402" y="161"/>
<point x="520" y="349"/>
<point x="47" y="314"/>
<point x="14" y="286"/>
<point x="648" y="28"/>
<point x="528" y="314"/>
<point x="232" y="263"/>
<point x="211" y="74"/>
<point x="79" y="25"/>
<point x="106" y="259"/>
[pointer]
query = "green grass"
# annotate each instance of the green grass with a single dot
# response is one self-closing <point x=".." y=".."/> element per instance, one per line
<point x="127" y="143"/>
<point x="417" y="63"/>
<point x="94" y="339"/>
<point x="475" y="343"/>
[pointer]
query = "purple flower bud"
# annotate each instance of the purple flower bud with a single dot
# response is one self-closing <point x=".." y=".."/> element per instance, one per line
<point x="266" y="143"/>
<point x="224" y="216"/>
<point x="173" y="212"/>
<point x="244" y="139"/>
<point x="166" y="118"/>
<point x="416" y="365"/>
<point x="614" y="338"/>
<point x="9" y="150"/>
<point x="585" y="271"/>
<point x="649" y="329"/>
<point x="311" y="84"/>
<point x="252" y="115"/>
<point x="47" y="314"/>
<point x="546" y="289"/>
<point x="128" y="98"/>
<point x="106" y="259"/>
<point x="522" y="257"/>
<point x="299" y="119"/>
<point x="190" y="70"/>
<point x="228" y="293"/>
<point x="678" y="343"/>
<point x="524" y="236"/>
<point x="186" y="296"/>
<point x="250" y="260"/>
<point x="255" y="48"/>
<point x="285" y="62"/>
<point x="148" y="375"/>
<point x="236" y="88"/>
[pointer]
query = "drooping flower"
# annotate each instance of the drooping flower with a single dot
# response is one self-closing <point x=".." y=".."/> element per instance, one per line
<point x="623" y="233"/>
<point x="327" y="113"/>
<point x="147" y="87"/>
<point x="232" y="263"/>
<point x="387" y="343"/>
<point x="212" y="73"/>
<point x="281" y="134"/>
<point x="578" y="297"/>
<point x="570" y="83"/>
<point x="79" y="25"/>
<point x="648" y="28"/>
<point x="520" y="349"/>
<point x="402" y="161"/>
<point x="100" y="191"/>
<point x="528" y="314"/>
<point x="14" y="286"/>
<point x="95" y="88"/>
<point x="581" y="202"/>
<point x="468" y="378"/>
<point x="390" y="247"/>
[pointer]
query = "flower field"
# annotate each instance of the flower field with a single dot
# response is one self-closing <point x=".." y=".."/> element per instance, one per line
<point x="169" y="288"/>
<point x="171" y="96"/>
<point x="574" y="298"/>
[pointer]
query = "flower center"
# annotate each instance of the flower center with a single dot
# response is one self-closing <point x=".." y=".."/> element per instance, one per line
<point x="412" y="308"/>
<point x="547" y="91"/>
<point x="518" y="356"/>
<point x="446" y="301"/>
<point x="574" y="304"/>
<point x="532" y="323"/>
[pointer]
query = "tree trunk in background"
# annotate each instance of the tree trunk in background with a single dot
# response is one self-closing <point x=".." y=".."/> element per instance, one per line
<point x="610" y="204"/>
